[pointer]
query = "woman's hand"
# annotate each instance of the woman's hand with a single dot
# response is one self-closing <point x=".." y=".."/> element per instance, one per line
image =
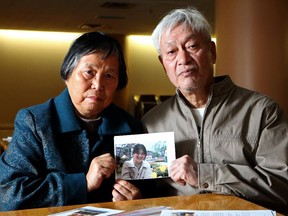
<point x="124" y="190"/>
<point x="100" y="168"/>
<point x="184" y="170"/>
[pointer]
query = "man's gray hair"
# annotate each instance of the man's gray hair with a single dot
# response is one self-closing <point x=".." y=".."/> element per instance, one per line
<point x="189" y="17"/>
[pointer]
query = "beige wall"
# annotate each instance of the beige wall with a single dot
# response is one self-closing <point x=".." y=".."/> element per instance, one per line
<point x="30" y="71"/>
<point x="252" y="45"/>
<point x="30" y="65"/>
<point x="146" y="75"/>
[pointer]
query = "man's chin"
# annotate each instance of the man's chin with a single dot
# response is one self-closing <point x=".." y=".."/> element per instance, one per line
<point x="188" y="88"/>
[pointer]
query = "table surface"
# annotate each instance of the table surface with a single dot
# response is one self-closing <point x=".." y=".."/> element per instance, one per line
<point x="194" y="202"/>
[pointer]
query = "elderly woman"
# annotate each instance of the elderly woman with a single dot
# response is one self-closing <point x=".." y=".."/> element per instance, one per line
<point x="61" y="150"/>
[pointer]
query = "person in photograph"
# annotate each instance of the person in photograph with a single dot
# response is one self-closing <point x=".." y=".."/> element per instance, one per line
<point x="61" y="150"/>
<point x="228" y="140"/>
<point x="137" y="167"/>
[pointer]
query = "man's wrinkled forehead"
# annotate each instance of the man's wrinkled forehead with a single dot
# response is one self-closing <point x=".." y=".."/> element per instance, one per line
<point x="189" y="33"/>
<point x="168" y="29"/>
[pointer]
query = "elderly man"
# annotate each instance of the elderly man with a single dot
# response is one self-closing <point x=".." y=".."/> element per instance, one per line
<point x="228" y="139"/>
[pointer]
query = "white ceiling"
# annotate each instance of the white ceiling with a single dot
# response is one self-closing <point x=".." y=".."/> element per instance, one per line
<point x="118" y="17"/>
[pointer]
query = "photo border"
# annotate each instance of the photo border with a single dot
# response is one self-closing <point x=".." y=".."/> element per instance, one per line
<point x="149" y="140"/>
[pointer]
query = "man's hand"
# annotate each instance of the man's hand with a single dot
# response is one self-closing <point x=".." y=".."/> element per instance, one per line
<point x="100" y="168"/>
<point x="123" y="190"/>
<point x="184" y="170"/>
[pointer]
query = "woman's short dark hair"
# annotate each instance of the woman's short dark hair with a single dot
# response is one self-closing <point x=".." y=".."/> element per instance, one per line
<point x="90" y="43"/>
<point x="139" y="147"/>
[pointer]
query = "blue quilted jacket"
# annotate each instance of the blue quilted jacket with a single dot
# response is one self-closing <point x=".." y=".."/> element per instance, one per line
<point x="49" y="155"/>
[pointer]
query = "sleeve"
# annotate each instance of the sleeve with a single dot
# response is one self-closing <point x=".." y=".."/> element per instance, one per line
<point x="125" y="172"/>
<point x="148" y="173"/>
<point x="26" y="180"/>
<point x="266" y="181"/>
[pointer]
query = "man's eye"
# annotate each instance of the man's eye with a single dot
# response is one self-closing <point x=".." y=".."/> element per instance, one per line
<point x="192" y="47"/>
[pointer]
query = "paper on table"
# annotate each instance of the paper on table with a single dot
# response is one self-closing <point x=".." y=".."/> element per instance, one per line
<point x="153" y="211"/>
<point x="88" y="210"/>
<point x="218" y="213"/>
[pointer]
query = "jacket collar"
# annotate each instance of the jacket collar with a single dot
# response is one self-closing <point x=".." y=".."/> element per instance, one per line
<point x="68" y="120"/>
<point x="222" y="85"/>
<point x="113" y="121"/>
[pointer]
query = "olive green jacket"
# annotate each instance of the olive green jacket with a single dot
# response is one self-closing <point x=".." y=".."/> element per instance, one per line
<point x="241" y="148"/>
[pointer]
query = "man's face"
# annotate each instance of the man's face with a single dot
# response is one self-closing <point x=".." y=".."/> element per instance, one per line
<point x="187" y="58"/>
<point x="93" y="83"/>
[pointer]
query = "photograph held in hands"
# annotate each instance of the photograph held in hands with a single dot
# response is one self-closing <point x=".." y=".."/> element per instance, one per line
<point x="144" y="156"/>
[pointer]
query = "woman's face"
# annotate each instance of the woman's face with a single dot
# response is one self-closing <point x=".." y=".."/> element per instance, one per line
<point x="93" y="83"/>
<point x="139" y="157"/>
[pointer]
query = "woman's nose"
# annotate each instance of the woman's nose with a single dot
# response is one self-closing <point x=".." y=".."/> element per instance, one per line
<point x="97" y="83"/>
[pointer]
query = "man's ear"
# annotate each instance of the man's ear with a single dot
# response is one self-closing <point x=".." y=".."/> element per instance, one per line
<point x="160" y="59"/>
<point x="213" y="51"/>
